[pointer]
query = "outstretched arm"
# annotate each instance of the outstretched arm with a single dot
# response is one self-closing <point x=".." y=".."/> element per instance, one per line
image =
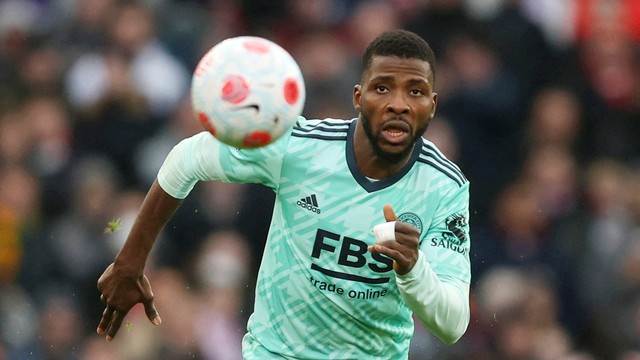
<point x="198" y="158"/>
<point x="123" y="284"/>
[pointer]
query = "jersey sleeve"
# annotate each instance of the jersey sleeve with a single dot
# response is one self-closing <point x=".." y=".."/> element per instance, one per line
<point x="203" y="158"/>
<point x="447" y="242"/>
<point x="441" y="304"/>
<point x="437" y="288"/>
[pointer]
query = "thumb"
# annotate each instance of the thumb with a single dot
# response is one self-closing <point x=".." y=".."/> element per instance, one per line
<point x="152" y="313"/>
<point x="389" y="214"/>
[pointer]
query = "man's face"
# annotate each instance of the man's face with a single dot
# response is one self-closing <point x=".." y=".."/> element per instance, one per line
<point x="395" y="102"/>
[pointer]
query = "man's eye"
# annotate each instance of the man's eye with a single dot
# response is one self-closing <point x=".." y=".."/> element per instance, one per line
<point x="381" y="88"/>
<point x="417" y="92"/>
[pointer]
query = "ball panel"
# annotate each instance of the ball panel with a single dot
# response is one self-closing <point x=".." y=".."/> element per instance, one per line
<point x="291" y="92"/>
<point x="234" y="89"/>
<point x="257" y="139"/>
<point x="204" y="120"/>
<point x="256" y="45"/>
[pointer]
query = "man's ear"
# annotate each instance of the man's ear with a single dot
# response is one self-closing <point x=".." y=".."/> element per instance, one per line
<point x="357" y="97"/>
<point x="434" y="98"/>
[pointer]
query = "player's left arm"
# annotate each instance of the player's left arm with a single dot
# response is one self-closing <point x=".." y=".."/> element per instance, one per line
<point x="440" y="303"/>
<point x="436" y="289"/>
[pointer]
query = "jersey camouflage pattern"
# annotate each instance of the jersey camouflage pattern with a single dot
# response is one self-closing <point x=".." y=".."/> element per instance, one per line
<point x="320" y="293"/>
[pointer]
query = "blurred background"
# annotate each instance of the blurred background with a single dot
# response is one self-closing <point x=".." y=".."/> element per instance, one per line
<point x="539" y="104"/>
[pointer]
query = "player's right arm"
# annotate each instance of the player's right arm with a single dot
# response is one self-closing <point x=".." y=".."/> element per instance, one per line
<point x="123" y="284"/>
<point x="198" y="158"/>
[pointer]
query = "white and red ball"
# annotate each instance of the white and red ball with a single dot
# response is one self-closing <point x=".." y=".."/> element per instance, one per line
<point x="247" y="91"/>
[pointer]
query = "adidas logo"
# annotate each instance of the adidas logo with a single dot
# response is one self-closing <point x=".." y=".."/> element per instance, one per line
<point x="309" y="203"/>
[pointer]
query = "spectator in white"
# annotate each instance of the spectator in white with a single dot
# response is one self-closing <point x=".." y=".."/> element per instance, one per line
<point x="153" y="71"/>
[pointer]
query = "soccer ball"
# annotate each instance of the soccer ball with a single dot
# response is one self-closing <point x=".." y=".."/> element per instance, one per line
<point x="247" y="91"/>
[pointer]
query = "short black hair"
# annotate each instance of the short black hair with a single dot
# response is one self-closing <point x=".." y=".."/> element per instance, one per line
<point x="401" y="43"/>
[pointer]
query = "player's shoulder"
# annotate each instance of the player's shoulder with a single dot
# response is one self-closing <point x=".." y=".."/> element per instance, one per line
<point x="432" y="157"/>
<point x="322" y="129"/>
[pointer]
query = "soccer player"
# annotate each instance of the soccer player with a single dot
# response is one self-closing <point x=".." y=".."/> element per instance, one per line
<point x="328" y="287"/>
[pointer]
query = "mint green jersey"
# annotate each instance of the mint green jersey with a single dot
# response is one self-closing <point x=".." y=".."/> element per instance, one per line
<point x="320" y="294"/>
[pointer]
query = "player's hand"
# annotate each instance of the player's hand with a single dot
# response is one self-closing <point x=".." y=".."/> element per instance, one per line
<point x="120" y="292"/>
<point x="404" y="249"/>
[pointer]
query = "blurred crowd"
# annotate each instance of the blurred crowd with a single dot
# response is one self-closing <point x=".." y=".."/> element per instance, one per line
<point x="539" y="104"/>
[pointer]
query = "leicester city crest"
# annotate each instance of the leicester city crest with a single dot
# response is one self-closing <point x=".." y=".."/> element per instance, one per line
<point x="411" y="219"/>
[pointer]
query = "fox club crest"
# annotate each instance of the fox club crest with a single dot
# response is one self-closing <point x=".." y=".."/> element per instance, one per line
<point x="411" y="219"/>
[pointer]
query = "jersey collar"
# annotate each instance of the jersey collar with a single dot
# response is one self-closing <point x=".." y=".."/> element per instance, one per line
<point x="368" y="185"/>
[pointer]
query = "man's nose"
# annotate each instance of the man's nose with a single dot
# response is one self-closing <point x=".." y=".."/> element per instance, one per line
<point x="398" y="104"/>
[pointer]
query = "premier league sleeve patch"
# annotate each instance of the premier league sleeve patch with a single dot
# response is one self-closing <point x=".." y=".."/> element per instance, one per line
<point x="457" y="225"/>
<point x="453" y="236"/>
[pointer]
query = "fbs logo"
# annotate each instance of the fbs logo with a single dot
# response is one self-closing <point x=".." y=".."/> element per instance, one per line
<point x="310" y="203"/>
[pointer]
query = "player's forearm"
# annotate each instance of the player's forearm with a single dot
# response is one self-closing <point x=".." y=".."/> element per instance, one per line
<point x="443" y="307"/>
<point x="156" y="210"/>
<point x="176" y="178"/>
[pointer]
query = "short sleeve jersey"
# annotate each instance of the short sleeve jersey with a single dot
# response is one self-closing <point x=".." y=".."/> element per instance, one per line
<point x="320" y="294"/>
